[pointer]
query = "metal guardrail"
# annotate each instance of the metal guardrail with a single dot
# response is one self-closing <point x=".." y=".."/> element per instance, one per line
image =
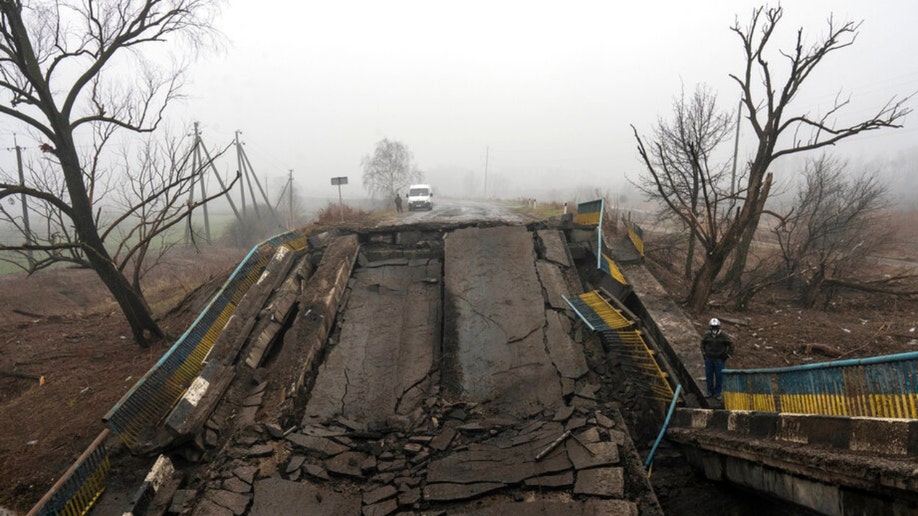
<point x="619" y="333"/>
<point x="597" y="313"/>
<point x="80" y="486"/>
<point x="589" y="213"/>
<point x="636" y="234"/>
<point x="883" y="386"/>
<point x="609" y="266"/>
<point x="135" y="417"/>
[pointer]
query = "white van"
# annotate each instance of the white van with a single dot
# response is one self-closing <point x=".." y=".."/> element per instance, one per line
<point x="419" y="197"/>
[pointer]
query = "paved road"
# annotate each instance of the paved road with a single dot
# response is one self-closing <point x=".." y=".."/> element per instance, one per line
<point x="496" y="319"/>
<point x="453" y="380"/>
<point x="450" y="382"/>
<point x="456" y="210"/>
<point x="381" y="366"/>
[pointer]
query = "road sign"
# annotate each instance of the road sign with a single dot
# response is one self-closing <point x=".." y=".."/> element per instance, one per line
<point x="338" y="181"/>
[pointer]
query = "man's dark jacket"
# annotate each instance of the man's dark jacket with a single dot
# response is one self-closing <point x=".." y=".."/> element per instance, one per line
<point x="716" y="346"/>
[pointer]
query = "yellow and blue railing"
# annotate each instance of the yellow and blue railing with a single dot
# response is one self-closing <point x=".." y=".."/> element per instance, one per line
<point x="81" y="485"/>
<point x="139" y="411"/>
<point x="621" y="334"/>
<point x="883" y="386"/>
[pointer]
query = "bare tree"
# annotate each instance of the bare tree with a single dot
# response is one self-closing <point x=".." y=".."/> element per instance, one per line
<point x="833" y="228"/>
<point x="390" y="169"/>
<point x="65" y="67"/>
<point x="767" y="103"/>
<point x="682" y="174"/>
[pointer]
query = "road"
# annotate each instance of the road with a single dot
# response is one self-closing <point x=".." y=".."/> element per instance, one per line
<point x="433" y="367"/>
<point x="453" y="384"/>
<point x="460" y="210"/>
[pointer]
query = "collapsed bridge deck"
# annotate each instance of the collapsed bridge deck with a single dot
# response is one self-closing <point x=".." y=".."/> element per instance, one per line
<point x="453" y="373"/>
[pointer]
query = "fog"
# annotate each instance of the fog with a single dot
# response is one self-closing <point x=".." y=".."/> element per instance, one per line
<point x="544" y="91"/>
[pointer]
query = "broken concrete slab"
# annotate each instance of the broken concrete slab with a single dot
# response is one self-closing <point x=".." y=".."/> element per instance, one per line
<point x="391" y="334"/>
<point x="488" y="463"/>
<point x="347" y="464"/>
<point x="442" y="440"/>
<point x="591" y="507"/>
<point x="246" y="473"/>
<point x="278" y="497"/>
<point x="555" y="247"/>
<point x="379" y="494"/>
<point x="316" y="471"/>
<point x="318" y="303"/>
<point x="236" y="485"/>
<point x="554" y="284"/>
<point x="294" y="464"/>
<point x="208" y="508"/>
<point x="590" y="455"/>
<point x="452" y="492"/>
<point x="603" y="420"/>
<point x="197" y="404"/>
<point x="563" y="479"/>
<point x="235" y="502"/>
<point x="260" y="450"/>
<point x="606" y="482"/>
<point x="563" y="413"/>
<point x="494" y="339"/>
<point x="274" y="318"/>
<point x="566" y="355"/>
<point x="383" y="508"/>
<point x="318" y="446"/>
<point x="233" y="335"/>
<point x="409" y="497"/>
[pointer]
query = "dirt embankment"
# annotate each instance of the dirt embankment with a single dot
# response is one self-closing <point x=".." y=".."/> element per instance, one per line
<point x="66" y="357"/>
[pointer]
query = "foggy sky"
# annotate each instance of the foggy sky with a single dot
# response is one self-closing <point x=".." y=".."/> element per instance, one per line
<point x="549" y="88"/>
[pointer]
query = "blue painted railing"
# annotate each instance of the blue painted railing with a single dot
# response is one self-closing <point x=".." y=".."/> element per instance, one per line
<point x="135" y="417"/>
<point x="882" y="386"/>
<point x="80" y="486"/>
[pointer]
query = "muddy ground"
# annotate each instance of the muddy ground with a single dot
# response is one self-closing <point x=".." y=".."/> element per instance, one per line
<point x="62" y="327"/>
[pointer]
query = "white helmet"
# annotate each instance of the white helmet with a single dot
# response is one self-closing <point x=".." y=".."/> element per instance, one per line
<point x="714" y="322"/>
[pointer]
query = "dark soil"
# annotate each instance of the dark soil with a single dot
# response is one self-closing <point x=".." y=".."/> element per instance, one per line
<point x="66" y="357"/>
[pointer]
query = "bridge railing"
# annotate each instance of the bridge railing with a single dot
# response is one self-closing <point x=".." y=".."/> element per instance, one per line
<point x="139" y="411"/>
<point x="636" y="234"/>
<point x="623" y="339"/>
<point x="81" y="485"/>
<point x="883" y="386"/>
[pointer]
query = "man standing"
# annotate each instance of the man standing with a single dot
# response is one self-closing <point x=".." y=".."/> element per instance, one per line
<point x="398" y="202"/>
<point x="716" y="346"/>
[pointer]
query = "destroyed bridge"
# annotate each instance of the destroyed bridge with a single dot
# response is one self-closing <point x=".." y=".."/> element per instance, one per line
<point x="490" y="367"/>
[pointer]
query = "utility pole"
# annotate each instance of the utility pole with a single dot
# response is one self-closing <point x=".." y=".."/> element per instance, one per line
<point x="198" y="169"/>
<point x="248" y="174"/>
<point x="487" y="152"/>
<point x="25" y="207"/>
<point x="194" y="177"/>
<point x="197" y="160"/>
<point x="241" y="170"/>
<point x="290" y="196"/>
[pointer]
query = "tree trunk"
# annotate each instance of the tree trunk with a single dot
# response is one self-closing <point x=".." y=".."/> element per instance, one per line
<point x="741" y="254"/>
<point x="690" y="255"/>
<point x="704" y="281"/>
<point x="132" y="303"/>
<point x="813" y="287"/>
<point x="129" y="299"/>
